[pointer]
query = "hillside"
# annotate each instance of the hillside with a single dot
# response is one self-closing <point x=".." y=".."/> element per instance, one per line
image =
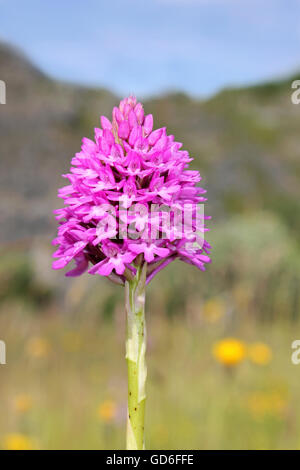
<point x="245" y="143"/>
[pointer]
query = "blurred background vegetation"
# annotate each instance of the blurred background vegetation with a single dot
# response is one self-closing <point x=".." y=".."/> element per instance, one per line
<point x="64" y="385"/>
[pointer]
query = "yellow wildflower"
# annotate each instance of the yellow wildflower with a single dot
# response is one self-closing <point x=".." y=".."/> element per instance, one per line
<point x="107" y="411"/>
<point x="229" y="351"/>
<point x="22" y="403"/>
<point x="38" y="347"/>
<point x="260" y="353"/>
<point x="16" y="441"/>
<point x="266" y="403"/>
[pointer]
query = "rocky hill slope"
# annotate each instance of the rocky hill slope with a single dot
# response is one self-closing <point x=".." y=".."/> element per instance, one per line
<point x="245" y="143"/>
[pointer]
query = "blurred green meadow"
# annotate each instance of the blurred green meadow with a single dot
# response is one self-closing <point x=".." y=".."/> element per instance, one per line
<point x="64" y="385"/>
<point x="220" y="374"/>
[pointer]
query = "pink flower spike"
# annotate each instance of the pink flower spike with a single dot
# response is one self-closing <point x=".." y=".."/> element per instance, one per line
<point x="148" y="124"/>
<point x="105" y="123"/>
<point x="155" y="136"/>
<point x="130" y="193"/>
<point x="129" y="163"/>
<point x="149" y="250"/>
<point x="135" y="135"/>
<point x="139" y="112"/>
<point x="117" y="115"/>
<point x="132" y="119"/>
<point x="124" y="129"/>
<point x="81" y="266"/>
<point x="116" y="262"/>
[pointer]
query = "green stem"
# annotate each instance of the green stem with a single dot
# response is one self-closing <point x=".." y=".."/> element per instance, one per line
<point x="135" y="355"/>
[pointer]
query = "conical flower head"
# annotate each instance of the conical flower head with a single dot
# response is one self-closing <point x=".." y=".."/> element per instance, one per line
<point x="131" y="199"/>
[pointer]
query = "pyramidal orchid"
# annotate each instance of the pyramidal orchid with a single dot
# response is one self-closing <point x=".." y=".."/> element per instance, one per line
<point x="131" y="207"/>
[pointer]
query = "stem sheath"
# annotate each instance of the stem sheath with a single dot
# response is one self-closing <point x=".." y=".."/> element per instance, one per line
<point x="135" y="355"/>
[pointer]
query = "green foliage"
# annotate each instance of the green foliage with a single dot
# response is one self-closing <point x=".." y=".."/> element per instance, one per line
<point x="17" y="281"/>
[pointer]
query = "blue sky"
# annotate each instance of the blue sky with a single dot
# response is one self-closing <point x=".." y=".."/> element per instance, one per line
<point x="146" y="47"/>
